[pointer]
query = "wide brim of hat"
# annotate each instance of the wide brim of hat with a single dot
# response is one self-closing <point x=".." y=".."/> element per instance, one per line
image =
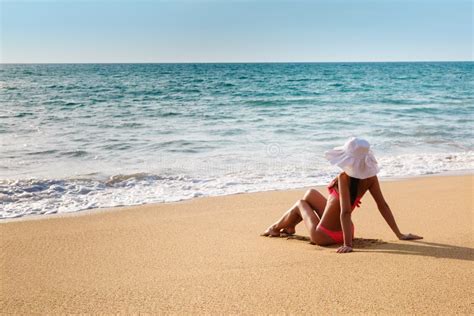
<point x="357" y="167"/>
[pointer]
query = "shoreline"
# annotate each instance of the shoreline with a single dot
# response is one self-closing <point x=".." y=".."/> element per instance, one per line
<point x="466" y="172"/>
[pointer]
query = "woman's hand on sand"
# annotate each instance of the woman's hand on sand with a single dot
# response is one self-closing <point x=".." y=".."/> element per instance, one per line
<point x="409" y="237"/>
<point x="344" y="249"/>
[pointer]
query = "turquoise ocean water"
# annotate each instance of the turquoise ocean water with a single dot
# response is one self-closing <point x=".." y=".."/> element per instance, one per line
<point x="79" y="136"/>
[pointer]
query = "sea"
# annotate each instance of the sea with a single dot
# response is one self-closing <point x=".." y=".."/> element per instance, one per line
<point x="82" y="136"/>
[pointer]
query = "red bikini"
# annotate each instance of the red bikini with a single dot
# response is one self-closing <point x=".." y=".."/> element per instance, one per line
<point x="338" y="236"/>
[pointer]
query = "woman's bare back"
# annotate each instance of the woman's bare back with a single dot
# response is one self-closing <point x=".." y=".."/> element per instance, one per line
<point x="331" y="216"/>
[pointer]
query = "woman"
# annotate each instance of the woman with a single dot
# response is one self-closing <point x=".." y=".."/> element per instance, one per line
<point x="329" y="220"/>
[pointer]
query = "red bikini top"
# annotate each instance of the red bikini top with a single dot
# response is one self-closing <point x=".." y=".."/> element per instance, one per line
<point x="332" y="191"/>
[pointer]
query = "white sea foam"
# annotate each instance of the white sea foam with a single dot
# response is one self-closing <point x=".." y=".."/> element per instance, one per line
<point x="423" y="164"/>
<point x="36" y="197"/>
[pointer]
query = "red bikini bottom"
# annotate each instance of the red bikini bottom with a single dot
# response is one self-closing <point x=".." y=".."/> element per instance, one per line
<point x="337" y="236"/>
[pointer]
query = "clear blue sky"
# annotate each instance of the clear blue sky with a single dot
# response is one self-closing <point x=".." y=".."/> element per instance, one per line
<point x="235" y="30"/>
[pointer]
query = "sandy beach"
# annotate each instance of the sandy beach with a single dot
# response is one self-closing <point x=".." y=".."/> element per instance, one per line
<point x="206" y="256"/>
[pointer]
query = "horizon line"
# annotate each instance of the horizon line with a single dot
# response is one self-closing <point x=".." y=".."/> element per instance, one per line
<point x="233" y="62"/>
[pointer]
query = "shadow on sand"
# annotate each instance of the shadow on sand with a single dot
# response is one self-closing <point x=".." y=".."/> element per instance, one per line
<point x="357" y="242"/>
<point x="408" y="247"/>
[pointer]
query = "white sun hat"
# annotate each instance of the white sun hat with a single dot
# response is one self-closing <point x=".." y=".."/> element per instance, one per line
<point x="355" y="158"/>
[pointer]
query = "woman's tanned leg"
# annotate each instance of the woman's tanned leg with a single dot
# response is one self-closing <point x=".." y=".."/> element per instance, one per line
<point x="310" y="219"/>
<point x="316" y="200"/>
<point x="291" y="218"/>
<point x="286" y="224"/>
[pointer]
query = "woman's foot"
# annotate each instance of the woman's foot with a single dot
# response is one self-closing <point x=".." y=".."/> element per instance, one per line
<point x="284" y="232"/>
<point x="272" y="232"/>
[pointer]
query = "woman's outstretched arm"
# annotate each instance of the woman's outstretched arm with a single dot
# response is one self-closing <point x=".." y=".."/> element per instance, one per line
<point x="384" y="209"/>
<point x="344" y="198"/>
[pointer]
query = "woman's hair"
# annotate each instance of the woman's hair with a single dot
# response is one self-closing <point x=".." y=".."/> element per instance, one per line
<point x="353" y="188"/>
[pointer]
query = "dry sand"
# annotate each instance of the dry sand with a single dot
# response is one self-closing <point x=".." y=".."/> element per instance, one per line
<point x="206" y="256"/>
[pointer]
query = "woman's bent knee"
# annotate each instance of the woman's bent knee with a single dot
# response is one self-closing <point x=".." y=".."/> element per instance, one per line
<point x="301" y="203"/>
